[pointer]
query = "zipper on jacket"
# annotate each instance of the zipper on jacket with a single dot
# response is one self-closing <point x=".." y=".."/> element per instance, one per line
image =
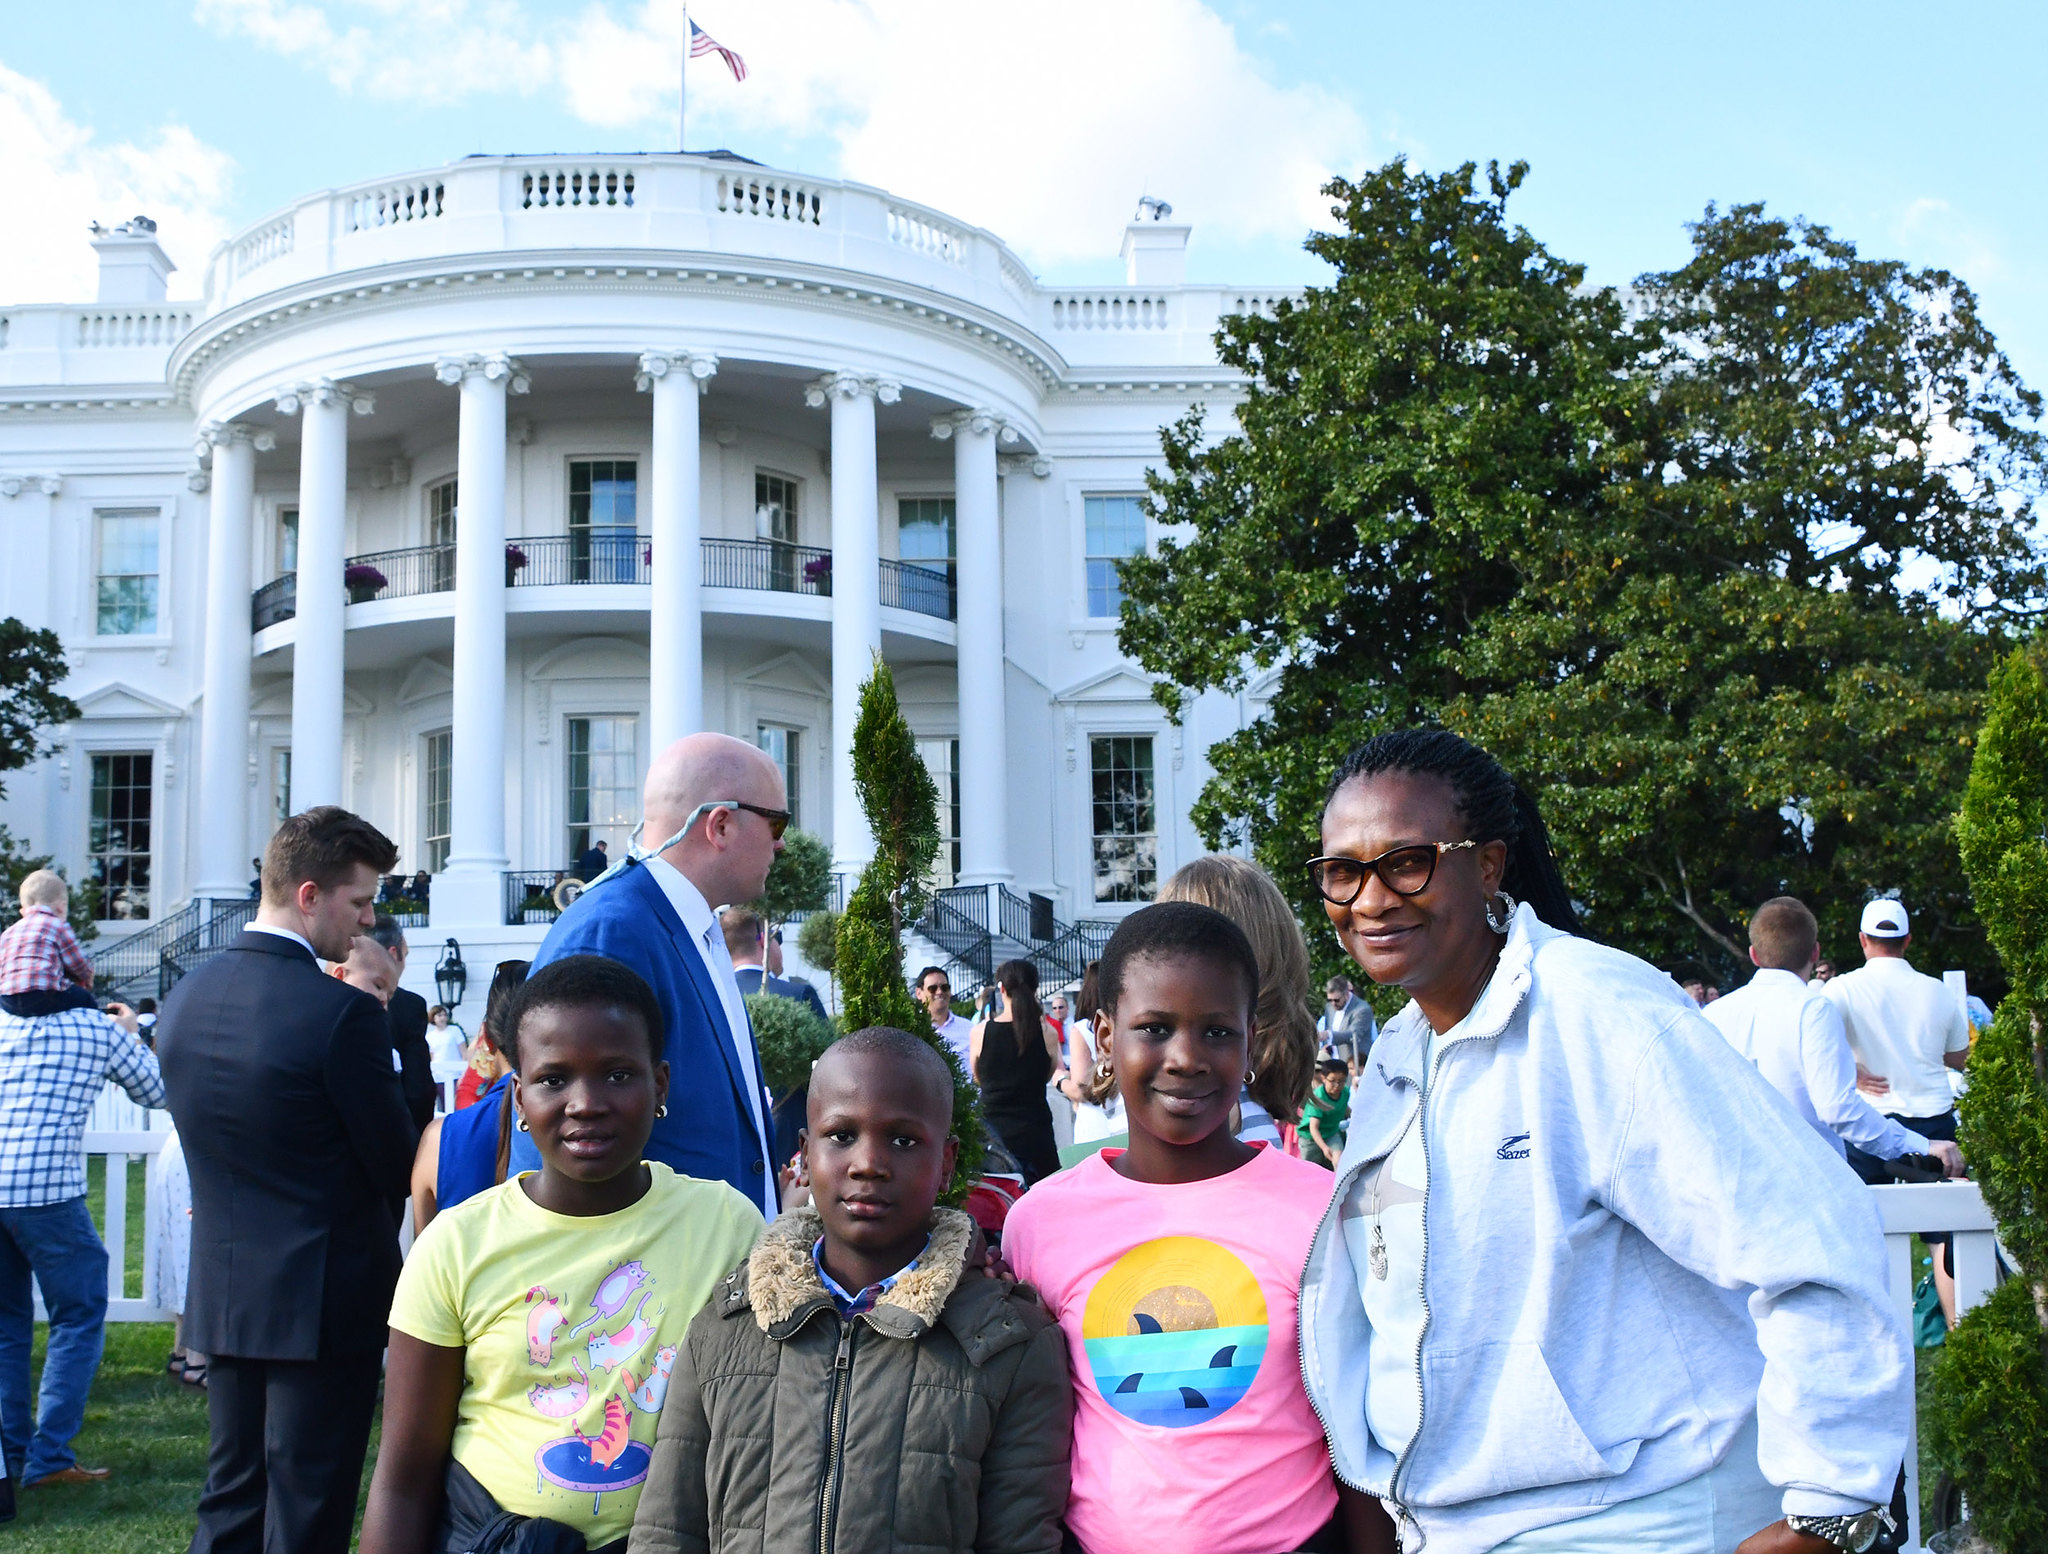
<point x="1421" y="1294"/>
<point x="836" y="1407"/>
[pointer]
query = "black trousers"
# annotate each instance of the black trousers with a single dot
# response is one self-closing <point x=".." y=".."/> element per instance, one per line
<point x="286" y="1457"/>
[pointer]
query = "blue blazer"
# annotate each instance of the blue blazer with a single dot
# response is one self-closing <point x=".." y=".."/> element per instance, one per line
<point x="713" y="1126"/>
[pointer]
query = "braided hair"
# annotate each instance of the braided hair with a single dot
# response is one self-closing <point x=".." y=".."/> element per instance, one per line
<point x="1495" y="808"/>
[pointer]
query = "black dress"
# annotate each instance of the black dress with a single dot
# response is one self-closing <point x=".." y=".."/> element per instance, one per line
<point x="1013" y="1082"/>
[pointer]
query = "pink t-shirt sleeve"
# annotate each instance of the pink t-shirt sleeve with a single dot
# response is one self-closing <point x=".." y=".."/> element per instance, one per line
<point x="1179" y="1309"/>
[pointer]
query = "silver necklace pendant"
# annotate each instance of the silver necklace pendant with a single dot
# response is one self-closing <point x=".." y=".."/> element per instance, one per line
<point x="1376" y="1254"/>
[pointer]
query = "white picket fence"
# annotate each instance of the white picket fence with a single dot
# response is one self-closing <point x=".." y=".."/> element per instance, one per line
<point x="122" y="1131"/>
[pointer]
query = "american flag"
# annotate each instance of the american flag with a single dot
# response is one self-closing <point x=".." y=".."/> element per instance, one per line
<point x="701" y="43"/>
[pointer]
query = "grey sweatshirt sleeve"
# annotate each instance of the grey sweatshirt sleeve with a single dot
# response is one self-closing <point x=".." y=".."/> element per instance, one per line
<point x="1731" y="1185"/>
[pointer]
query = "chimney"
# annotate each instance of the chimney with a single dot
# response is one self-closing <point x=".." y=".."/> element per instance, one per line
<point x="1155" y="252"/>
<point x="133" y="268"/>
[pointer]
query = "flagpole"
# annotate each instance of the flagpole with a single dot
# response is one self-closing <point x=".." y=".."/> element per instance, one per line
<point x="683" y="84"/>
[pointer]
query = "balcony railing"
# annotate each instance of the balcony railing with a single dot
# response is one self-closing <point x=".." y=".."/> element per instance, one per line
<point x="537" y="895"/>
<point x="554" y="560"/>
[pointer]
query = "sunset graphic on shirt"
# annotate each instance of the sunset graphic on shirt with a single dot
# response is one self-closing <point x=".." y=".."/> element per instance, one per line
<point x="1175" y="1332"/>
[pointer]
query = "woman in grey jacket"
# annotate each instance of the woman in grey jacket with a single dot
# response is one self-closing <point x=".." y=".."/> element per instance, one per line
<point x="1585" y="1283"/>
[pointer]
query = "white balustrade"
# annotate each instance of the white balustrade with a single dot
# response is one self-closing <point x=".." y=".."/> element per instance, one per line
<point x="1108" y="310"/>
<point x="128" y="327"/>
<point x="919" y="233"/>
<point x="1265" y="305"/>
<point x="770" y="195"/>
<point x="561" y="187"/>
<point x="1017" y="278"/>
<point x="271" y="241"/>
<point x="388" y="205"/>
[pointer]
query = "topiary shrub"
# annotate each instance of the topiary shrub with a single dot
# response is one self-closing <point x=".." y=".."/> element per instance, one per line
<point x="902" y="809"/>
<point x="1988" y="1424"/>
<point x="791" y="1038"/>
<point x="799" y="881"/>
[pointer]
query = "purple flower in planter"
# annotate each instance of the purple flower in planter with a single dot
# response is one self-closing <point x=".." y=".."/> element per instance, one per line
<point x="515" y="558"/>
<point x="647" y="556"/>
<point x="818" y="570"/>
<point x="363" y="576"/>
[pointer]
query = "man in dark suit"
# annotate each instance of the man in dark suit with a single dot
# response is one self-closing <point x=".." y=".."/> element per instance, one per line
<point x="748" y="943"/>
<point x="715" y="813"/>
<point x="408" y="1014"/>
<point x="592" y="861"/>
<point x="297" y="1140"/>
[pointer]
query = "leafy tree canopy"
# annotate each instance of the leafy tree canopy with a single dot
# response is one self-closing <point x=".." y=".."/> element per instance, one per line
<point x="1718" y="570"/>
<point x="31" y="665"/>
<point x="800" y="879"/>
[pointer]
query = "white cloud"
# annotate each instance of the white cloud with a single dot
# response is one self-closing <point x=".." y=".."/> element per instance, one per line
<point x="56" y="169"/>
<point x="1043" y="123"/>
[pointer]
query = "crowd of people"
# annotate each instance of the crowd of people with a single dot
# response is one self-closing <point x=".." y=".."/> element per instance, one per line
<point x="1555" y="1260"/>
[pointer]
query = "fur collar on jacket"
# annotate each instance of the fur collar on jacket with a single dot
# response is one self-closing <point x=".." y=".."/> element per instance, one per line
<point x="782" y="1278"/>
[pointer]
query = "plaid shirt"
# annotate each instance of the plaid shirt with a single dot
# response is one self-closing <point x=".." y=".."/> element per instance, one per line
<point x="40" y="954"/>
<point x="851" y="1306"/>
<point x="52" y="1069"/>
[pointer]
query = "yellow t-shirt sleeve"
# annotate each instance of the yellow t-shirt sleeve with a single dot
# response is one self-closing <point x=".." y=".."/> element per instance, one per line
<point x="427" y="1304"/>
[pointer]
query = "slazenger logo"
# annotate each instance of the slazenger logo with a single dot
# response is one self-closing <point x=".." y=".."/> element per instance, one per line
<point x="1514" y="1147"/>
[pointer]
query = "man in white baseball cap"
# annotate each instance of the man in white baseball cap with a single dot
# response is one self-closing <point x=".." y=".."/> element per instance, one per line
<point x="1909" y="1030"/>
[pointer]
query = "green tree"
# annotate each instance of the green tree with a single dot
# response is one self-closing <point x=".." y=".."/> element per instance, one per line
<point x="902" y="809"/>
<point x="818" y="942"/>
<point x="800" y="880"/>
<point x="1720" y="583"/>
<point x="17" y="863"/>
<point x="31" y="665"/>
<point x="1988" y="1422"/>
<point x="790" y="1036"/>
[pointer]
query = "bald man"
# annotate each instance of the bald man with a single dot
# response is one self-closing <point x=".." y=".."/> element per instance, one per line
<point x="715" y="812"/>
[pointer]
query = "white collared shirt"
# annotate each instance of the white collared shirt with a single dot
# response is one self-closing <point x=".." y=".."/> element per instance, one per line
<point x="1900" y="1024"/>
<point x="703" y="928"/>
<point x="286" y="933"/>
<point x="1794" y="1036"/>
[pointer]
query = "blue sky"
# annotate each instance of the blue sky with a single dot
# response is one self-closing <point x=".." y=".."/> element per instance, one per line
<point x="1907" y="129"/>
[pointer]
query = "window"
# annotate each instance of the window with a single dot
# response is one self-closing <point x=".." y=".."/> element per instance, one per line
<point x="941" y="758"/>
<point x="775" y="520"/>
<point x="1116" y="529"/>
<point x="784" y="750"/>
<point x="287" y="540"/>
<point x="280" y="787"/>
<point x="441" y="534"/>
<point x="128" y="576"/>
<point x="604" y="521"/>
<point x="118" y="840"/>
<point x="604" y="784"/>
<point x="436" y="761"/>
<point x="1126" y="828"/>
<point x="924" y="539"/>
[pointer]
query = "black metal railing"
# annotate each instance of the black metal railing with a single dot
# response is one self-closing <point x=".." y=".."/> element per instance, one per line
<point x="146" y="964"/>
<point x="530" y="894"/>
<point x="956" y="920"/>
<point x="398" y="899"/>
<point x="926" y="589"/>
<point x="769" y="565"/>
<point x="277" y="600"/>
<point x="585" y="556"/>
<point x="400" y="574"/>
<point x="600" y="556"/>
<point x="211" y="934"/>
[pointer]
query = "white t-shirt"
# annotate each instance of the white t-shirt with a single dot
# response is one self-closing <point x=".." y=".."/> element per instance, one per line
<point x="954" y="1033"/>
<point x="1900" y="1023"/>
<point x="1391" y="1196"/>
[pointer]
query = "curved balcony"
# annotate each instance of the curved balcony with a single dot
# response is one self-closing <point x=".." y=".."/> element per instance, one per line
<point x="550" y="561"/>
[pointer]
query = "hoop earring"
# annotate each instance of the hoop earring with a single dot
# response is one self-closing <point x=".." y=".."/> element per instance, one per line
<point x="1103" y="1071"/>
<point x="661" y="1110"/>
<point x="521" y="1124"/>
<point x="1505" y="920"/>
<point x="1250" y="1074"/>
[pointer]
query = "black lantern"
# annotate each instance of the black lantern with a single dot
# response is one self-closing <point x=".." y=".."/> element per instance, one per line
<point x="451" y="976"/>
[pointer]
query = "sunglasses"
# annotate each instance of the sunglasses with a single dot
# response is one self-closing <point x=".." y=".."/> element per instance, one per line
<point x="1406" y="871"/>
<point x="778" y="819"/>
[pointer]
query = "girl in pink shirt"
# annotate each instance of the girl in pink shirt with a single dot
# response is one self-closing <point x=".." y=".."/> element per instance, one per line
<point x="1173" y="1267"/>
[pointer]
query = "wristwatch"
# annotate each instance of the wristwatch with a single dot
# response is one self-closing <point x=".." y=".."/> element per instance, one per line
<point x="1854" y="1533"/>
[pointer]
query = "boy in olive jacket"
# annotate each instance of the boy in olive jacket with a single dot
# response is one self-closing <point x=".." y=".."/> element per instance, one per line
<point x="855" y="1387"/>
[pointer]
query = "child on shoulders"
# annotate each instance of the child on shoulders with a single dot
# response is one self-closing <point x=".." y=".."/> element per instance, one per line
<point x="855" y="1386"/>
<point x="536" y="1324"/>
<point x="43" y="969"/>
<point x="1173" y="1269"/>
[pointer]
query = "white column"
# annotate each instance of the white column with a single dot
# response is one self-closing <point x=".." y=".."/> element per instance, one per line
<point x="469" y="890"/>
<point x="25" y="580"/>
<point x="675" y="620"/>
<point x="856" y="587"/>
<point x="984" y="743"/>
<point x="323" y="541"/>
<point x="223" y="850"/>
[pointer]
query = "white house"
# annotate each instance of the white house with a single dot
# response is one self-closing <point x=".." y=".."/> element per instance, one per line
<point x="586" y="454"/>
